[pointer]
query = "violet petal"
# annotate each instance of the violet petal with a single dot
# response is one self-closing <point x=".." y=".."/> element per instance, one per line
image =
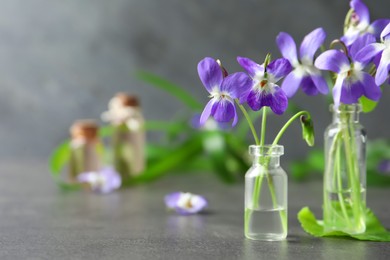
<point x="371" y="90"/>
<point x="350" y="37"/>
<point x="236" y="84"/>
<point x="351" y="91"/>
<point x="359" y="44"/>
<point x="333" y="60"/>
<point x="198" y="203"/>
<point x="292" y="82"/>
<point x="385" y="32"/>
<point x="250" y="66"/>
<point x="384" y="166"/>
<point x="337" y="90"/>
<point x="279" y="68"/>
<point x="320" y="83"/>
<point x="311" y="43"/>
<point x="207" y="111"/>
<point x="172" y="199"/>
<point x="287" y="47"/>
<point x="308" y="86"/>
<point x="368" y="52"/>
<point x="383" y="68"/>
<point x="361" y="10"/>
<point x="279" y="101"/>
<point x="223" y="110"/>
<point x="378" y="26"/>
<point x="210" y="73"/>
<point x="256" y="100"/>
<point x="185" y="203"/>
<point x="104" y="181"/>
<point x="85" y="177"/>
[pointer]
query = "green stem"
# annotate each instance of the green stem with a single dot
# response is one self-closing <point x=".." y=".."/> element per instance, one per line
<point x="352" y="169"/>
<point x="263" y="126"/>
<point x="288" y="123"/>
<point x="328" y="207"/>
<point x="259" y="179"/>
<point x="337" y="174"/>
<point x="347" y="20"/>
<point x="249" y="122"/>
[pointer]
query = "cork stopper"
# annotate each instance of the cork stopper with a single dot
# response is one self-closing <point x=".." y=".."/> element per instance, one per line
<point x="127" y="100"/>
<point x="85" y="129"/>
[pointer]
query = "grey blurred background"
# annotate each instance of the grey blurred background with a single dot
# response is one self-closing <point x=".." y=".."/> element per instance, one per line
<point x="63" y="60"/>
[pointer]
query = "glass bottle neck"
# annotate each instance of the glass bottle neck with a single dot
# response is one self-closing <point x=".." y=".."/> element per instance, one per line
<point x="267" y="161"/>
<point x="266" y="155"/>
<point x="346" y="113"/>
<point x="345" y="117"/>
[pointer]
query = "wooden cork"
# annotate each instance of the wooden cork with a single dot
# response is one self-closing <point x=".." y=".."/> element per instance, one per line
<point x="128" y="100"/>
<point x="86" y="129"/>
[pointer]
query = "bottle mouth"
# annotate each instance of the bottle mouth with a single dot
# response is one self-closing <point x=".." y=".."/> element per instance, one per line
<point x="346" y="108"/>
<point x="266" y="150"/>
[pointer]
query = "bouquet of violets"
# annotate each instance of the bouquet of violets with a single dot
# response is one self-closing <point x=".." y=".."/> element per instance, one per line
<point x="359" y="67"/>
<point x="265" y="181"/>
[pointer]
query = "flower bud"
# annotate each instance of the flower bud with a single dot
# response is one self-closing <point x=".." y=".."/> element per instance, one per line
<point x="307" y="129"/>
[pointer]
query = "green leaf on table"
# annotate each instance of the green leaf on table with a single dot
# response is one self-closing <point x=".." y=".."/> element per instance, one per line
<point x="374" y="229"/>
<point x="367" y="104"/>
<point x="171" y="88"/>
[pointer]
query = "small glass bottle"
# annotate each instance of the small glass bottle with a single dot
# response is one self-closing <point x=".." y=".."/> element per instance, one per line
<point x="86" y="149"/>
<point x="128" y="140"/>
<point x="345" y="171"/>
<point x="266" y="195"/>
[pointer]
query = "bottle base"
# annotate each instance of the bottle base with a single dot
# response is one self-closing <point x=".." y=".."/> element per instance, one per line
<point x="266" y="237"/>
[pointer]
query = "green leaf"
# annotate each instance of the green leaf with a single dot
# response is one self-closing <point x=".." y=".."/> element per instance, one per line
<point x="59" y="158"/>
<point x="374" y="229"/>
<point x="57" y="161"/>
<point x="106" y="131"/>
<point x="367" y="104"/>
<point x="300" y="170"/>
<point x="169" y="162"/>
<point x="171" y="88"/>
<point x="316" y="160"/>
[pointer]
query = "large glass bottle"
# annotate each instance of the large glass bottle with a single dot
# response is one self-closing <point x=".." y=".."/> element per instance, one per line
<point x="86" y="149"/>
<point x="128" y="140"/>
<point x="266" y="195"/>
<point x="345" y="172"/>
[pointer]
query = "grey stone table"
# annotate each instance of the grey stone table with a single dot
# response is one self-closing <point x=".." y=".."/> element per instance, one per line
<point x="38" y="221"/>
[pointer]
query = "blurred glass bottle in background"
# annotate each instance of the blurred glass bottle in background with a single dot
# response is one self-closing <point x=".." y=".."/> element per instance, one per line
<point x="86" y="149"/>
<point x="128" y="139"/>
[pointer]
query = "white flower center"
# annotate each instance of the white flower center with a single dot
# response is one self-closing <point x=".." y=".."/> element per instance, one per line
<point x="186" y="200"/>
<point x="219" y="95"/>
<point x="97" y="180"/>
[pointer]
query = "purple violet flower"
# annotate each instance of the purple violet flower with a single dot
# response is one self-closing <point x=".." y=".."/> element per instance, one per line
<point x="384" y="166"/>
<point x="223" y="91"/>
<point x="359" y="23"/>
<point x="185" y="203"/>
<point x="304" y="73"/>
<point x="104" y="181"/>
<point x="263" y="89"/>
<point x="383" y="51"/>
<point x="351" y="82"/>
